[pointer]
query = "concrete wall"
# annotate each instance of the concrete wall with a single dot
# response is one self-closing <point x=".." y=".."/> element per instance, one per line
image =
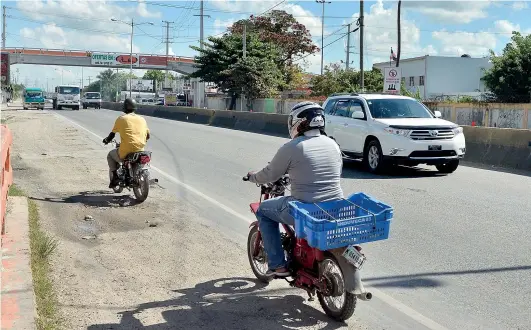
<point x="280" y="106"/>
<point x="493" y="146"/>
<point x="488" y="115"/>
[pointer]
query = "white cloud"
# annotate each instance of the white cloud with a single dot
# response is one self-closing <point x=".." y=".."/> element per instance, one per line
<point x="303" y="16"/>
<point x="519" y="5"/>
<point x="222" y="25"/>
<point x="450" y="12"/>
<point x="142" y="10"/>
<point x="504" y="26"/>
<point x="459" y="43"/>
<point x="381" y="35"/>
<point x="52" y="36"/>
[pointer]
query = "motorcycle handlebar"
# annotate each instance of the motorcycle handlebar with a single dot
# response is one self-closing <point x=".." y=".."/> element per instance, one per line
<point x="245" y="178"/>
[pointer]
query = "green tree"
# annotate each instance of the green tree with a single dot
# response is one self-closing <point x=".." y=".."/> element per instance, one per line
<point x="221" y="62"/>
<point x="509" y="79"/>
<point x="156" y="75"/>
<point x="282" y="31"/>
<point x="335" y="79"/>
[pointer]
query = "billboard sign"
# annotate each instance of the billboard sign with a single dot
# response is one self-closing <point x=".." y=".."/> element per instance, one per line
<point x="140" y="85"/>
<point x="5" y="68"/>
<point x="153" y="61"/>
<point x="114" y="59"/>
<point x="392" y="79"/>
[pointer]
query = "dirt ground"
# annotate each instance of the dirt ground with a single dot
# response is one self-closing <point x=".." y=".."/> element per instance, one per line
<point x="147" y="266"/>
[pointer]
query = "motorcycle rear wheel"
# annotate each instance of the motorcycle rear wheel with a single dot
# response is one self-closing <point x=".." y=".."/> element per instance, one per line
<point x="261" y="258"/>
<point x="346" y="309"/>
<point x="141" y="190"/>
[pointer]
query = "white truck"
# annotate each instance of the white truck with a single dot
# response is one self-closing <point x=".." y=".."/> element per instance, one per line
<point x="91" y="99"/>
<point x="390" y="129"/>
<point x="67" y="96"/>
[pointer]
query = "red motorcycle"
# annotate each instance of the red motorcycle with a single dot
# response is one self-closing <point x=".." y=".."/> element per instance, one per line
<point x="334" y="275"/>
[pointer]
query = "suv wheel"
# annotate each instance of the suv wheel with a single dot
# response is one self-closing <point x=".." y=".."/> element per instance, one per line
<point x="449" y="167"/>
<point x="373" y="157"/>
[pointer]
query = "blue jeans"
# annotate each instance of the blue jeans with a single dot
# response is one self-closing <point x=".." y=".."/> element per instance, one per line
<point x="270" y="214"/>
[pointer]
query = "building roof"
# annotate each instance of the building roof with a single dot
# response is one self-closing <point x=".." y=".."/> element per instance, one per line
<point x="418" y="58"/>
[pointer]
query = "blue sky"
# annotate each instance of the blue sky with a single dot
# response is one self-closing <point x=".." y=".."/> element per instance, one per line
<point x="448" y="28"/>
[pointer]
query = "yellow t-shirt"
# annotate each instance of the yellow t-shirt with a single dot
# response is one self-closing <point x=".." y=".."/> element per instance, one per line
<point x="133" y="132"/>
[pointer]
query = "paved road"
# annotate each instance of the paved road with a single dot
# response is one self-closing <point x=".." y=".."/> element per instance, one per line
<point x="459" y="256"/>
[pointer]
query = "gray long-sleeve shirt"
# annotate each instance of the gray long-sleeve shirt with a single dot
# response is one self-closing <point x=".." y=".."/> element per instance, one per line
<point x="314" y="164"/>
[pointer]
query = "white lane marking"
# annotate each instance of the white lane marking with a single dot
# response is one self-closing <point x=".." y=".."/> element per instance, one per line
<point x="176" y="181"/>
<point x="406" y="310"/>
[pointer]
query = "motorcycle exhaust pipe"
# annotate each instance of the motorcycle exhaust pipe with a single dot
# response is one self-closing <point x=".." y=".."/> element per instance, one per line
<point x="366" y="296"/>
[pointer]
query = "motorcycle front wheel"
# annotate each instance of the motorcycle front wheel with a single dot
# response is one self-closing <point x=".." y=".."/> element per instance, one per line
<point x="337" y="302"/>
<point x="141" y="189"/>
<point x="259" y="263"/>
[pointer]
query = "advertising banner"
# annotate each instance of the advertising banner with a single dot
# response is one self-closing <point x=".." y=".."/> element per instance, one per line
<point x="153" y="61"/>
<point x="5" y="68"/>
<point x="114" y="59"/>
<point x="140" y="85"/>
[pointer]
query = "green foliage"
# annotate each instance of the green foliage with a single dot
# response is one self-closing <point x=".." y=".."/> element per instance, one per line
<point x="335" y="79"/>
<point x="109" y="83"/>
<point x="222" y="62"/>
<point x="404" y="91"/>
<point x="157" y="75"/>
<point x="509" y="79"/>
<point x="272" y="43"/>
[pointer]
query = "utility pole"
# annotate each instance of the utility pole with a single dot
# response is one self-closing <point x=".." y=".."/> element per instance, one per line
<point x="167" y="43"/>
<point x="82" y="81"/>
<point x="322" y="31"/>
<point x="89" y="79"/>
<point x="348" y="46"/>
<point x="3" y="27"/>
<point x="399" y="32"/>
<point x="201" y="85"/>
<point x="362" y="76"/>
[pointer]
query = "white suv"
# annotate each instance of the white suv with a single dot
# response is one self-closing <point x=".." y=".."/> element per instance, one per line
<point x="382" y="129"/>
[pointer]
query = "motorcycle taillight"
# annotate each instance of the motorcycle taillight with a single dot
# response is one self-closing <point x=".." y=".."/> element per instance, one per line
<point x="144" y="159"/>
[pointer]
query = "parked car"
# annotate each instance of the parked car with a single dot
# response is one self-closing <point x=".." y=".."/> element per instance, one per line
<point x="92" y="100"/>
<point x="385" y="129"/>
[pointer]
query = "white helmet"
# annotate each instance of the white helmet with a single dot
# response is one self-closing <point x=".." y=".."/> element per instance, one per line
<point x="305" y="116"/>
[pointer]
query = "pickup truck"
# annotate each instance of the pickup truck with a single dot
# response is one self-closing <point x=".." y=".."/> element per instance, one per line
<point x="92" y="100"/>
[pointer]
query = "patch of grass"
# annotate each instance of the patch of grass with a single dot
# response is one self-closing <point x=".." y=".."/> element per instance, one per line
<point x="15" y="191"/>
<point x="42" y="246"/>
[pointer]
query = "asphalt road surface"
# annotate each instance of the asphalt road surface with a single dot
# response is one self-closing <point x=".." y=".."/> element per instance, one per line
<point x="459" y="254"/>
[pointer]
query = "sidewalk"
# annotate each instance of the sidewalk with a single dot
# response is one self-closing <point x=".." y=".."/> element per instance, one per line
<point x="17" y="298"/>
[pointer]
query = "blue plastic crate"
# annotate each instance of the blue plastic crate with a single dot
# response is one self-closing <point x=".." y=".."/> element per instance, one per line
<point x="334" y="224"/>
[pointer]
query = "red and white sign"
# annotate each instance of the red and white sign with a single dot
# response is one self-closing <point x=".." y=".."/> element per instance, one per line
<point x="5" y="68"/>
<point x="153" y="61"/>
<point x="392" y="80"/>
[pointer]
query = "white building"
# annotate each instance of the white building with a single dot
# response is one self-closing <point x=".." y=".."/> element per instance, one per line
<point x="436" y="76"/>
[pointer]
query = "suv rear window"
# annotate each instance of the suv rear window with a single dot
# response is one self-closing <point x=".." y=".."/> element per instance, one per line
<point x="92" y="95"/>
<point x="397" y="108"/>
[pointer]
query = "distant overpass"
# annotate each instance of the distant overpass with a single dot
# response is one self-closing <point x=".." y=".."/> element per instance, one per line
<point x="63" y="57"/>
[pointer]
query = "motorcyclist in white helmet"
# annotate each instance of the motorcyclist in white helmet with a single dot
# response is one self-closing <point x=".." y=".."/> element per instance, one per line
<point x="314" y="164"/>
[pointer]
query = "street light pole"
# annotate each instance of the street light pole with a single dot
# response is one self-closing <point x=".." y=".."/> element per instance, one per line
<point x="132" y="23"/>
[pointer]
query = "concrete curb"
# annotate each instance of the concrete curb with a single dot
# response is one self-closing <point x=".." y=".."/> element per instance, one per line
<point x="17" y="296"/>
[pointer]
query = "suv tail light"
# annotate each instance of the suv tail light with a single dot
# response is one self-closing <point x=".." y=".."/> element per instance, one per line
<point x="144" y="159"/>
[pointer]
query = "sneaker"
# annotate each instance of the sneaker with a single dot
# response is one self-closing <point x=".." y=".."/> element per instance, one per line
<point x="282" y="273"/>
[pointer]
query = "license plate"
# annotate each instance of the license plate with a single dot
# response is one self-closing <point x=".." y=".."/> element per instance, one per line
<point x="434" y="147"/>
<point x="354" y="257"/>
